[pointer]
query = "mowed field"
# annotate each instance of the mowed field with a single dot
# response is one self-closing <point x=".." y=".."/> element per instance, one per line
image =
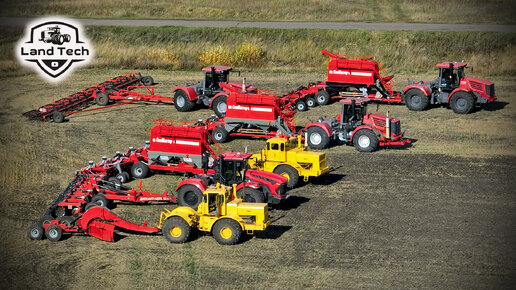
<point x="438" y="214"/>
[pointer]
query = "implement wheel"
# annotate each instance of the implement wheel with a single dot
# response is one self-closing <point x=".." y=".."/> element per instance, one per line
<point x="227" y="232"/>
<point x="147" y="81"/>
<point x="54" y="233"/>
<point x="289" y="172"/>
<point x="58" y="117"/>
<point x="301" y="105"/>
<point x="310" y="102"/>
<point x="102" y="99"/>
<point x="176" y="230"/>
<point x="251" y="195"/>
<point x="140" y="170"/>
<point x="219" y="134"/>
<point x="100" y="200"/>
<point x="322" y="98"/>
<point x="182" y="102"/>
<point x="36" y="232"/>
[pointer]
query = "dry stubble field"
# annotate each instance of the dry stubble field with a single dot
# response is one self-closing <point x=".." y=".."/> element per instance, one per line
<point x="439" y="214"/>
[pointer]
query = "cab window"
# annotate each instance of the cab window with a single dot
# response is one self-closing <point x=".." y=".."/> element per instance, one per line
<point x="282" y="147"/>
<point x="274" y="146"/>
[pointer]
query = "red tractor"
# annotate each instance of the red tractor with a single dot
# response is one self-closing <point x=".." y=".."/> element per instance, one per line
<point x="211" y="92"/>
<point x="451" y="87"/>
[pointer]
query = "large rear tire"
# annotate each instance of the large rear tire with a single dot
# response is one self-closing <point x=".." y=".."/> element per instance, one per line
<point x="462" y="103"/>
<point x="289" y="172"/>
<point x="189" y="195"/>
<point x="227" y="232"/>
<point x="322" y="98"/>
<point x="176" y="230"/>
<point x="365" y="140"/>
<point x="139" y="170"/>
<point x="416" y="100"/>
<point x="219" y="106"/>
<point x="182" y="102"/>
<point x="219" y="134"/>
<point x="251" y="195"/>
<point x="317" y="138"/>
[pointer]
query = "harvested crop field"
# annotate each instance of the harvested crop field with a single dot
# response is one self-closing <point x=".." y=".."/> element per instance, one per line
<point x="438" y="214"/>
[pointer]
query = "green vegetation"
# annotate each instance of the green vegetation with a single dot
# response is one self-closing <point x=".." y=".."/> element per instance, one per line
<point x="437" y="11"/>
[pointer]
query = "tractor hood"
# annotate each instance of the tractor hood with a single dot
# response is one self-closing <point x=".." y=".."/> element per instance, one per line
<point x="378" y="120"/>
<point x="477" y="80"/>
<point x="264" y="175"/>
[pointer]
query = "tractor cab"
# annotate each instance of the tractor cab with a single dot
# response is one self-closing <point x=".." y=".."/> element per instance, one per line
<point x="353" y="111"/>
<point x="215" y="75"/>
<point x="213" y="201"/>
<point x="230" y="167"/>
<point x="450" y="74"/>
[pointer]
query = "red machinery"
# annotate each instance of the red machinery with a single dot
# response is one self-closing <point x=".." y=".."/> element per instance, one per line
<point x="211" y="92"/>
<point x="451" y="87"/>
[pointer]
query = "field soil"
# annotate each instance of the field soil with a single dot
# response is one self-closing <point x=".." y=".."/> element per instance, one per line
<point x="437" y="214"/>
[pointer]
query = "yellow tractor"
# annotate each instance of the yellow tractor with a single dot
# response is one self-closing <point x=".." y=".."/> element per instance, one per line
<point x="283" y="156"/>
<point x="220" y="213"/>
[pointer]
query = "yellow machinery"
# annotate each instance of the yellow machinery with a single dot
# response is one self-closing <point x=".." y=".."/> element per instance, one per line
<point x="283" y="156"/>
<point x="220" y="213"/>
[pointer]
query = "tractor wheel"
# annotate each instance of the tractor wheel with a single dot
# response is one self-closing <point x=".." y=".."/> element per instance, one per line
<point x="122" y="177"/>
<point x="227" y="231"/>
<point x="301" y="105"/>
<point x="219" y="134"/>
<point x="317" y="138"/>
<point x="189" y="195"/>
<point x="365" y="140"/>
<point x="147" y="81"/>
<point x="36" y="232"/>
<point x="219" y="106"/>
<point x="182" y="102"/>
<point x="251" y="195"/>
<point x="176" y="230"/>
<point x="54" y="233"/>
<point x="58" y="117"/>
<point x="310" y="102"/>
<point x="102" y="99"/>
<point x="416" y="100"/>
<point x="289" y="172"/>
<point x="462" y="103"/>
<point x="67" y="37"/>
<point x="140" y="170"/>
<point x="322" y="98"/>
<point x="100" y="200"/>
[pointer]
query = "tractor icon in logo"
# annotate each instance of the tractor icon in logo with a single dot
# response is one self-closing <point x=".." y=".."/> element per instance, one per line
<point x="53" y="35"/>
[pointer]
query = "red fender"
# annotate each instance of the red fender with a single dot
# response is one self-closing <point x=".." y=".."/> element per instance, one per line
<point x="248" y="184"/>
<point x="216" y="96"/>
<point x="459" y="90"/>
<point x="325" y="126"/>
<point x="422" y="88"/>
<point x="199" y="183"/>
<point x="364" y="127"/>
<point x="190" y="92"/>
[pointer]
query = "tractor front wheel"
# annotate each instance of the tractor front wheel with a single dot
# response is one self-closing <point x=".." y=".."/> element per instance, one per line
<point x="219" y="134"/>
<point x="249" y="194"/>
<point x="365" y="140"/>
<point x="416" y="100"/>
<point x="102" y="99"/>
<point x="322" y="98"/>
<point x="176" y="230"/>
<point x="462" y="103"/>
<point x="182" y="102"/>
<point x="36" y="232"/>
<point x="54" y="233"/>
<point x="139" y="170"/>
<point x="290" y="173"/>
<point x="227" y="232"/>
<point x="189" y="195"/>
<point x="219" y="106"/>
<point x="317" y="138"/>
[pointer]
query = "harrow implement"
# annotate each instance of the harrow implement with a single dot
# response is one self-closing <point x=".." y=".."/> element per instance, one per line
<point x="76" y="102"/>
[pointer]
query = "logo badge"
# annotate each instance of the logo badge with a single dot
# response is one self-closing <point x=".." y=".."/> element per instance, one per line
<point x="54" y="47"/>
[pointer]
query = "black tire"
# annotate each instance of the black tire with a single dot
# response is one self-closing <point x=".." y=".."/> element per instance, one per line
<point x="322" y="98"/>
<point x="100" y="200"/>
<point x="416" y="100"/>
<point x="219" y="106"/>
<point x="189" y="195"/>
<point x="90" y="205"/>
<point x="227" y="232"/>
<point x="251" y="195"/>
<point x="301" y="106"/>
<point x="102" y="99"/>
<point x="289" y="172"/>
<point x="176" y="230"/>
<point x="35" y="232"/>
<point x="182" y="102"/>
<point x="310" y="102"/>
<point x="67" y="37"/>
<point x="139" y="170"/>
<point x="147" y="81"/>
<point x="317" y="138"/>
<point x="219" y="134"/>
<point x="53" y="233"/>
<point x="58" y="117"/>
<point x="365" y="140"/>
<point x="67" y="221"/>
<point x="462" y="103"/>
<point x="115" y="181"/>
<point x="122" y="177"/>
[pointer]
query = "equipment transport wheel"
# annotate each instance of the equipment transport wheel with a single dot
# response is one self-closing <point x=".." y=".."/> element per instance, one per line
<point x="182" y="102"/>
<point x="227" y="232"/>
<point x="365" y="140"/>
<point x="219" y="134"/>
<point x="100" y="200"/>
<point x="58" y="117"/>
<point x="301" y="105"/>
<point x="310" y="102"/>
<point x="139" y="170"/>
<point x="147" y="80"/>
<point x="250" y="194"/>
<point x="176" y="230"/>
<point x="317" y="138"/>
<point x="36" y="232"/>
<point x="189" y="195"/>
<point x="322" y="98"/>
<point x="289" y="172"/>
<point x="219" y="106"/>
<point x="122" y="177"/>
<point x="54" y="233"/>
<point x="462" y="103"/>
<point x="102" y="99"/>
<point x="416" y="100"/>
